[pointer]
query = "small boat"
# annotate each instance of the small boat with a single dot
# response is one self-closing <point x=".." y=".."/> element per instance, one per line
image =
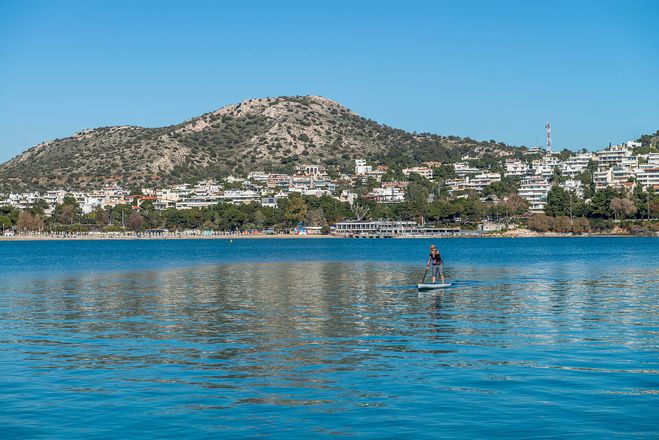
<point x="432" y="286"/>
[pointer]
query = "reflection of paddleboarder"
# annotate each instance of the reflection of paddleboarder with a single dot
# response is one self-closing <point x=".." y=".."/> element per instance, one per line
<point x="437" y="265"/>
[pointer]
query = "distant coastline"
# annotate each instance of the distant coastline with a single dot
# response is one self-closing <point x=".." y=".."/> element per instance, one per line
<point x="105" y="237"/>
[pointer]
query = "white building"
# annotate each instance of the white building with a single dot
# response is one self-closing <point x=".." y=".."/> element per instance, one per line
<point x="387" y="195"/>
<point x="615" y="155"/>
<point x="535" y="190"/>
<point x="573" y="185"/>
<point x="269" y="202"/>
<point x="602" y="179"/>
<point x="480" y="181"/>
<point x="648" y="175"/>
<point x="361" y="168"/>
<point x="347" y="196"/>
<point x="237" y="196"/>
<point x="421" y="171"/>
<point x="516" y="168"/>
<point x="652" y="158"/>
<point x="311" y="170"/>
<point x="200" y="201"/>
<point x="258" y="176"/>
<point x="462" y="169"/>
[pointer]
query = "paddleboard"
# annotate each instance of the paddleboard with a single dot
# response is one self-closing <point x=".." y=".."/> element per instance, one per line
<point x="432" y="286"/>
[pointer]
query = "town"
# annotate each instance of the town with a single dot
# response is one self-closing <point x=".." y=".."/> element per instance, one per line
<point x="520" y="185"/>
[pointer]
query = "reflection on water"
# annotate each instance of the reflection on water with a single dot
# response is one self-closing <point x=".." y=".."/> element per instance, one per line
<point x="331" y="348"/>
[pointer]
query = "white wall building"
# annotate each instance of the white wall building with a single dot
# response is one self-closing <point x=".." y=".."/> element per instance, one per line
<point x="648" y="175"/>
<point x="462" y="169"/>
<point x="535" y="190"/>
<point x="516" y="168"/>
<point x="421" y="171"/>
<point x="361" y="168"/>
<point x="387" y="195"/>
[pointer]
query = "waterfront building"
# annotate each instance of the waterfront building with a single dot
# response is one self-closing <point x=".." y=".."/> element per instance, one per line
<point x="387" y="228"/>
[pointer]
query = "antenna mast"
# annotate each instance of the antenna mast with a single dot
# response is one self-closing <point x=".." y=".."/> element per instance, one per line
<point x="548" y="127"/>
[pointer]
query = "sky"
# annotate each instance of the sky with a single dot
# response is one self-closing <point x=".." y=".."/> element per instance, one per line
<point x="484" y="69"/>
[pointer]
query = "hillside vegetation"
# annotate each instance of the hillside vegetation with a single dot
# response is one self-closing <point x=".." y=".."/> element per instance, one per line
<point x="271" y="134"/>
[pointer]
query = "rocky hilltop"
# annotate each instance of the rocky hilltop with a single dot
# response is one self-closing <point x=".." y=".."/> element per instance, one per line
<point x="271" y="134"/>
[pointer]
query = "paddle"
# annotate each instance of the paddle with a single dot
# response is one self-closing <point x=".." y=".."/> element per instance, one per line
<point x="424" y="275"/>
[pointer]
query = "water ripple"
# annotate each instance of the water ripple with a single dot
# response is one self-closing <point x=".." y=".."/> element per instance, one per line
<point x="328" y="349"/>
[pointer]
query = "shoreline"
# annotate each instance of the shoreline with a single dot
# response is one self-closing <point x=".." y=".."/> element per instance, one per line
<point x="306" y="237"/>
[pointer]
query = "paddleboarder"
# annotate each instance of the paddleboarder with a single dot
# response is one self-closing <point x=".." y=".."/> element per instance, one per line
<point x="437" y="265"/>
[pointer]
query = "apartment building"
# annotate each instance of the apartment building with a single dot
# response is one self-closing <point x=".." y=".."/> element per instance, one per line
<point x="535" y="190"/>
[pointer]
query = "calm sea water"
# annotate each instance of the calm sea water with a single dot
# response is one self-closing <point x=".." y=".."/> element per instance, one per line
<point x="328" y="338"/>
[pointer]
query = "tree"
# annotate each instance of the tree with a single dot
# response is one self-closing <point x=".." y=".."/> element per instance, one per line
<point x="440" y="210"/>
<point x="174" y="219"/>
<point x="316" y="217"/>
<point x="622" y="207"/>
<point x="539" y="223"/>
<point x="135" y="222"/>
<point x="580" y="225"/>
<point x="417" y="199"/>
<point x="39" y="207"/>
<point x="5" y="222"/>
<point x="360" y="211"/>
<point x="514" y="205"/>
<point x="557" y="202"/>
<point x="296" y="211"/>
<point x="507" y="186"/>
<point x="561" y="223"/>
<point x="259" y="219"/>
<point x="233" y="218"/>
<point x="27" y="222"/>
<point x="600" y="204"/>
<point x="67" y="214"/>
<point x="101" y="216"/>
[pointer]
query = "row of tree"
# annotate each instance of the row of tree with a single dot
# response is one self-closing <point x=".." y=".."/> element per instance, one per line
<point x="606" y="203"/>
<point x="425" y="202"/>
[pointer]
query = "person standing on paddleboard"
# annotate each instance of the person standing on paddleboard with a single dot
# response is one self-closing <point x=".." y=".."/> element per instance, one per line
<point x="437" y="264"/>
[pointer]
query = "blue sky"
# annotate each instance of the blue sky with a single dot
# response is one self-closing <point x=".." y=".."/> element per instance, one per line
<point x="488" y="70"/>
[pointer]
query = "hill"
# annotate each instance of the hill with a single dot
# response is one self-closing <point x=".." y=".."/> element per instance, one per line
<point x="271" y="134"/>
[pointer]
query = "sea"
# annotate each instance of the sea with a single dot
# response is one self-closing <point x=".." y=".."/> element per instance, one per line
<point x="329" y="338"/>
